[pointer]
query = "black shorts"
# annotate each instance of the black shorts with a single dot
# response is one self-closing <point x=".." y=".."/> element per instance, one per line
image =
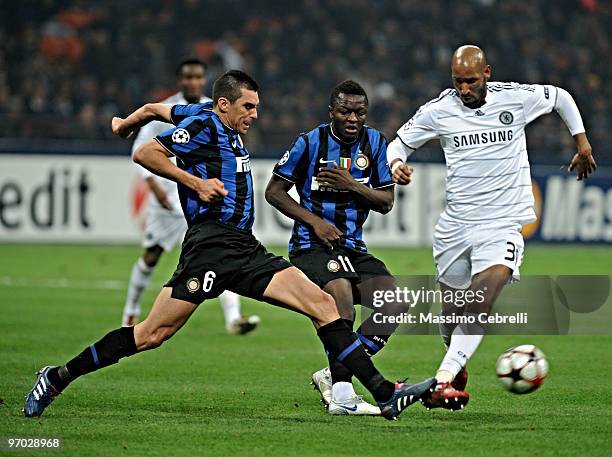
<point x="323" y="265"/>
<point x="217" y="257"/>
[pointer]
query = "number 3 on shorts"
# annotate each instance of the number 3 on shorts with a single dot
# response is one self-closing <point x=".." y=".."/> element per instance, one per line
<point x="511" y="251"/>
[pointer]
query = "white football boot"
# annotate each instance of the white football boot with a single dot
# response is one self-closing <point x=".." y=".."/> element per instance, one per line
<point x="353" y="406"/>
<point x="322" y="381"/>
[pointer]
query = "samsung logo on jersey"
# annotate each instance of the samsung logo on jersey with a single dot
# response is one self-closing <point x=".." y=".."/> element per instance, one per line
<point x="243" y="164"/>
<point x="475" y="139"/>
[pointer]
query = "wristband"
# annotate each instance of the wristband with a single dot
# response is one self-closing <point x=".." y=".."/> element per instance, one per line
<point x="396" y="165"/>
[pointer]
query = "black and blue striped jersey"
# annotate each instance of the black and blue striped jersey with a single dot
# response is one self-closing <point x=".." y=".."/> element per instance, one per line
<point x="207" y="148"/>
<point x="366" y="159"/>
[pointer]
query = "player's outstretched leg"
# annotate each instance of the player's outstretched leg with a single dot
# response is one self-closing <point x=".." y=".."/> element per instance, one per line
<point x="166" y="317"/>
<point x="465" y="339"/>
<point x="235" y="322"/>
<point x="292" y="289"/>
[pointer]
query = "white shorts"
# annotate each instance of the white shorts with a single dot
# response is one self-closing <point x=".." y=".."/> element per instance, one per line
<point x="164" y="228"/>
<point x="464" y="250"/>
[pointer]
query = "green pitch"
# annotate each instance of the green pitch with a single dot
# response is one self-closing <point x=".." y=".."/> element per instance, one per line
<point x="206" y="393"/>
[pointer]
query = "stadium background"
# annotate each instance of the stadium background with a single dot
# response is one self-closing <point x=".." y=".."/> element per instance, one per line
<point x="70" y="215"/>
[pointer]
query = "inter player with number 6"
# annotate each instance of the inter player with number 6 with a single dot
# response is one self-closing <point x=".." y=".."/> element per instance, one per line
<point x="477" y="241"/>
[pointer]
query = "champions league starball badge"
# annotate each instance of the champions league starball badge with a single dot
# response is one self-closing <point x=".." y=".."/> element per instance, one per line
<point x="180" y="136"/>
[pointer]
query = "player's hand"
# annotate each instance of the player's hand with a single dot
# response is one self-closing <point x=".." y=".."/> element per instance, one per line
<point x="336" y="178"/>
<point x="118" y="127"/>
<point x="583" y="161"/>
<point x="402" y="174"/>
<point x="210" y="190"/>
<point x="327" y="232"/>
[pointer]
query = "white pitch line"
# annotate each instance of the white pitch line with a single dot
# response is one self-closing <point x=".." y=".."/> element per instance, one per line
<point x="63" y="283"/>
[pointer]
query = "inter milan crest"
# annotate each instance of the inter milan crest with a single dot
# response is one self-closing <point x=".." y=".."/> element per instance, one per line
<point x="506" y="117"/>
<point x="180" y="136"/>
<point x="362" y="162"/>
<point x="193" y="285"/>
<point x="333" y="266"/>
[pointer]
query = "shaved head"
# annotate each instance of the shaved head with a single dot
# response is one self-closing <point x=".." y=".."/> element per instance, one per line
<point x="470" y="73"/>
<point x="469" y="56"/>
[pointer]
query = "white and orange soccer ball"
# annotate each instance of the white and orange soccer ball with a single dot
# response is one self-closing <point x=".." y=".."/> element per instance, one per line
<point x="522" y="369"/>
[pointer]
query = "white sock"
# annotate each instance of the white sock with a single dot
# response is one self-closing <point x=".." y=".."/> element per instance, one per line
<point x="446" y="330"/>
<point x="342" y="391"/>
<point x="230" y="302"/>
<point x="465" y="339"/>
<point x="139" y="280"/>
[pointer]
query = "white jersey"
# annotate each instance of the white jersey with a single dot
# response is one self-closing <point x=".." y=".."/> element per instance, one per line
<point x="148" y="132"/>
<point x="487" y="177"/>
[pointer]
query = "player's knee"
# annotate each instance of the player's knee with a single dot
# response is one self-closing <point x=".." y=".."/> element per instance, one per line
<point x="479" y="308"/>
<point x="157" y="337"/>
<point x="395" y="308"/>
<point x="345" y="309"/>
<point x="152" y="255"/>
<point x="326" y="303"/>
<point x="151" y="258"/>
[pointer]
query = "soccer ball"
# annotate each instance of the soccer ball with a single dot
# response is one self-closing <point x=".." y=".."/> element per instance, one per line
<point x="522" y="369"/>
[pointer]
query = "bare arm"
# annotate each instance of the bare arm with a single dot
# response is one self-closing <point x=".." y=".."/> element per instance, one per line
<point x="142" y="116"/>
<point x="159" y="193"/>
<point x="277" y="194"/>
<point x="154" y="157"/>
<point x="379" y="200"/>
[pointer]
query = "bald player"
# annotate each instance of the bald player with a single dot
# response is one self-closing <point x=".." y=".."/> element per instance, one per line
<point x="477" y="243"/>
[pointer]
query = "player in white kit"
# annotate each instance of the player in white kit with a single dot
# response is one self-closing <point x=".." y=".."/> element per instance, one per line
<point x="165" y="224"/>
<point x="477" y="242"/>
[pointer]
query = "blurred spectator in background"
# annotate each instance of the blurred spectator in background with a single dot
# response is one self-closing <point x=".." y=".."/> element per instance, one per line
<point x="74" y="62"/>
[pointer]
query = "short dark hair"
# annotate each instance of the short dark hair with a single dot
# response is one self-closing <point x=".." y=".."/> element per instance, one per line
<point x="190" y="61"/>
<point x="229" y="85"/>
<point x="348" y="87"/>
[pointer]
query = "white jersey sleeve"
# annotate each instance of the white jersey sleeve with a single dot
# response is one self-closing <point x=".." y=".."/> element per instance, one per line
<point x="146" y="133"/>
<point x="537" y="100"/>
<point x="569" y="112"/>
<point x="420" y="128"/>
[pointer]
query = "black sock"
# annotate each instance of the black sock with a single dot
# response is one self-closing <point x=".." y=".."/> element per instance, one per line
<point x="112" y="347"/>
<point x="339" y="372"/>
<point x="374" y="336"/>
<point x="372" y="344"/>
<point x="342" y="343"/>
